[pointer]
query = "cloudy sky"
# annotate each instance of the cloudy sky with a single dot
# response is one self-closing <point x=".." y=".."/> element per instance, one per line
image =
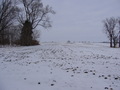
<point x="79" y="20"/>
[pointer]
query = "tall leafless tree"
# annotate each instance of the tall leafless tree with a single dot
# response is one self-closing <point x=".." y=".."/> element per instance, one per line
<point x="116" y="32"/>
<point x="119" y="30"/>
<point x="109" y="28"/>
<point x="8" y="12"/>
<point x="35" y="13"/>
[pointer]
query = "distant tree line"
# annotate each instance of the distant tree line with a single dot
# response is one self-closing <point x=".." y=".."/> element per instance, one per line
<point x="112" y="30"/>
<point x="19" y="21"/>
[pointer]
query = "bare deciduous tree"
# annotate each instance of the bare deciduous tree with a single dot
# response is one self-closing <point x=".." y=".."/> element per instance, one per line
<point x="8" y="12"/>
<point x="109" y="28"/>
<point x="35" y="13"/>
<point x="119" y="30"/>
<point x="116" y="33"/>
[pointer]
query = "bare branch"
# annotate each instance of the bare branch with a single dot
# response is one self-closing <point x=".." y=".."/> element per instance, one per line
<point x="36" y="13"/>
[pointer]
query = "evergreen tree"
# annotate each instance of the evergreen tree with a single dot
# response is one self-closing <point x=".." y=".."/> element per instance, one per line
<point x="26" y="34"/>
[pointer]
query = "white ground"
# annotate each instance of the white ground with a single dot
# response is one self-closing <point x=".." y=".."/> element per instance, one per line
<point x="60" y="66"/>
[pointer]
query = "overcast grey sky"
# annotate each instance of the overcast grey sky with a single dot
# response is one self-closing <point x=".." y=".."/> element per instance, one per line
<point x="79" y="20"/>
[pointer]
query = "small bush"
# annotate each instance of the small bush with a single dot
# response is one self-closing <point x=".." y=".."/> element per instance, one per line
<point x="17" y="42"/>
<point x="35" y="42"/>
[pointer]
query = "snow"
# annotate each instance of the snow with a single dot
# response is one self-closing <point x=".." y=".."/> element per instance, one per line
<point x="60" y="66"/>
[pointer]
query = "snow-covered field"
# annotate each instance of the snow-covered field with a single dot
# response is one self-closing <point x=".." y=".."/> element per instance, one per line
<point x="60" y="66"/>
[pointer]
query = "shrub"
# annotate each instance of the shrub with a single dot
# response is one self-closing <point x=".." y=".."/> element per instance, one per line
<point x="35" y="42"/>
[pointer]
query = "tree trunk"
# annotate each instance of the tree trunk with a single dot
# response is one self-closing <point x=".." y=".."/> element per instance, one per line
<point x="111" y="42"/>
<point x="119" y="40"/>
<point x="114" y="43"/>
